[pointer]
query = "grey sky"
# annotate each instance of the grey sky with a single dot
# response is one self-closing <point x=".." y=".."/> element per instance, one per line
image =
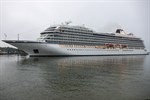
<point x="30" y="17"/>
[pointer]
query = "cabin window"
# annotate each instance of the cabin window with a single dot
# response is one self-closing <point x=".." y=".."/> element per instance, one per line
<point x="35" y="50"/>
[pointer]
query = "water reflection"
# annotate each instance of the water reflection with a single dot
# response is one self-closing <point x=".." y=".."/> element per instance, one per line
<point x="75" y="78"/>
<point x="86" y="77"/>
<point x="67" y="64"/>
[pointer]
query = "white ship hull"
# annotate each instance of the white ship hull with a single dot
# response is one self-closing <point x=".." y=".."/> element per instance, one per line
<point x="47" y="49"/>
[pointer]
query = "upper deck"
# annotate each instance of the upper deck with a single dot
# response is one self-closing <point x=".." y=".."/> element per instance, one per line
<point x="84" y="30"/>
<point x="86" y="36"/>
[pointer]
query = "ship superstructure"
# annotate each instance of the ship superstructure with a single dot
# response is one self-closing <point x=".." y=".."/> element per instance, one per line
<point x="67" y="40"/>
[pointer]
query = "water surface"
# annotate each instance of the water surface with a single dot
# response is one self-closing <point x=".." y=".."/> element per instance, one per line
<point x="75" y="78"/>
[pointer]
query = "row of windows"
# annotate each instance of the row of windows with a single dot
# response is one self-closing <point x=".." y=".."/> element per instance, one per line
<point x="97" y="41"/>
<point x="89" y="37"/>
<point x="125" y="49"/>
<point x="81" y="43"/>
<point x="90" y="49"/>
<point x="94" y="43"/>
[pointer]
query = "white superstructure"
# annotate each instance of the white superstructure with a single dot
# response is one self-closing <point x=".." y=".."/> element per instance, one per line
<point x="66" y="40"/>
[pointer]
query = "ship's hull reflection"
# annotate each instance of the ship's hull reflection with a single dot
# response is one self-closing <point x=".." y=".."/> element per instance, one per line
<point x="92" y="77"/>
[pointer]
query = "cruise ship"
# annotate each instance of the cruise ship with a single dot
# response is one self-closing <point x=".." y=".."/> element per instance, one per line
<point x="74" y="40"/>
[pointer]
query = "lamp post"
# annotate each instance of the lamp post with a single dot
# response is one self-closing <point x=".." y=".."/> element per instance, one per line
<point x="18" y="36"/>
<point x="5" y="36"/>
<point x="18" y="48"/>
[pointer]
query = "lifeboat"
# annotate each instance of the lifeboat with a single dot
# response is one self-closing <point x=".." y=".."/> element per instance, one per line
<point x="109" y="45"/>
<point x="124" y="46"/>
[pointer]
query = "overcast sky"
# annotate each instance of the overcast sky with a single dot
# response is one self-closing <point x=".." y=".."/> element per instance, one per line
<point x="30" y="17"/>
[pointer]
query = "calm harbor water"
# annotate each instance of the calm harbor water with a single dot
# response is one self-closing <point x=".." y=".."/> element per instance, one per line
<point x="75" y="78"/>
